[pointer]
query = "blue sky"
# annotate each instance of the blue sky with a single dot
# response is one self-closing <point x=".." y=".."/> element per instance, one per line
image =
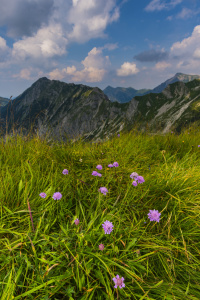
<point x="126" y="43"/>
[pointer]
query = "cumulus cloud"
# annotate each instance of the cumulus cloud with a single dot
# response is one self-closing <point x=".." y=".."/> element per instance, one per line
<point x="90" y="18"/>
<point x="23" y="18"/>
<point x="151" y="55"/>
<point x="187" y="46"/>
<point x="23" y="74"/>
<point x="93" y="71"/>
<point x="127" y="69"/>
<point x="4" y="49"/>
<point x="162" y="65"/>
<point x="161" y="5"/>
<point x="47" y="42"/>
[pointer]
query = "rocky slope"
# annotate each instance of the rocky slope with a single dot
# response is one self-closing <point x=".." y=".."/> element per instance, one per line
<point x="123" y="95"/>
<point x="73" y="111"/>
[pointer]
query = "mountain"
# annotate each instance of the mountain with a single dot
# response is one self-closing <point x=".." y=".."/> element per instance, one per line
<point x="4" y="101"/>
<point x="123" y="95"/>
<point x="71" y="111"/>
<point x="177" y="77"/>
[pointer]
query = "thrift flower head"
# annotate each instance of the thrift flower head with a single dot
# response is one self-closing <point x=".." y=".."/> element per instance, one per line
<point x="76" y="221"/>
<point x="118" y="281"/>
<point x="43" y="195"/>
<point x="134" y="183"/>
<point x="198" y="145"/>
<point x="154" y="215"/>
<point x="65" y="171"/>
<point x="115" y="164"/>
<point x="103" y="190"/>
<point x="118" y="135"/>
<point x="95" y="173"/>
<point x="108" y="227"/>
<point x="134" y="174"/>
<point x="101" y="247"/>
<point x="110" y="165"/>
<point x="140" y="179"/>
<point x="99" y="167"/>
<point x="57" y="196"/>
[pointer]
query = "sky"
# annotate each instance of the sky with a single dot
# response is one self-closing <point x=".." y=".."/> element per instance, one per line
<point x="121" y="43"/>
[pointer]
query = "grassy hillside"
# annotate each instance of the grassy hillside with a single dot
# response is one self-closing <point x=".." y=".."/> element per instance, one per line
<point x="54" y="243"/>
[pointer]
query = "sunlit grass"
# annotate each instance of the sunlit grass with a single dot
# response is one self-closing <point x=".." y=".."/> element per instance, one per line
<point x="44" y="254"/>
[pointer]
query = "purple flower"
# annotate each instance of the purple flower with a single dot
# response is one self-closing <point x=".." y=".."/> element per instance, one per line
<point x="140" y="179"/>
<point x="65" y="171"/>
<point x="57" y="196"/>
<point x="94" y="173"/>
<point x="76" y="221"/>
<point x="43" y="195"/>
<point x="101" y="247"/>
<point x="99" y="167"/>
<point x="110" y="165"/>
<point x="198" y="145"/>
<point x="118" y="282"/>
<point x="118" y="135"/>
<point x="115" y="164"/>
<point x="154" y="215"/>
<point x="134" y="174"/>
<point x="108" y="227"/>
<point x="134" y="183"/>
<point x="103" y="190"/>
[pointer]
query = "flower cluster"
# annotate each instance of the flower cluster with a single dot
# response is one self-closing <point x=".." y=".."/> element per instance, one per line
<point x="153" y="215"/>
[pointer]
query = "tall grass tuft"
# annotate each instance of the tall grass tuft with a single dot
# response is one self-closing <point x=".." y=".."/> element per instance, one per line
<point x="89" y="232"/>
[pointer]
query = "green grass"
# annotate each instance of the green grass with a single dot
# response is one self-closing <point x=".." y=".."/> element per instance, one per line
<point x="52" y="258"/>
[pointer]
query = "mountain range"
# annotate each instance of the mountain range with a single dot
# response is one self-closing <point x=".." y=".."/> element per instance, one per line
<point x="123" y="95"/>
<point x="70" y="111"/>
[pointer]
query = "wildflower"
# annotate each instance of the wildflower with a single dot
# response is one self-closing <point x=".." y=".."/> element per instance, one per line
<point x="118" y="281"/>
<point x="118" y="135"/>
<point x="134" y="174"/>
<point x="101" y="247"/>
<point x="110" y="165"/>
<point x="43" y="195"/>
<point x="154" y="215"/>
<point x="65" y="171"/>
<point x="115" y="164"/>
<point x="108" y="227"/>
<point x="95" y="173"/>
<point x="103" y="190"/>
<point x="76" y="221"/>
<point x="140" y="179"/>
<point x="134" y="183"/>
<point x="198" y="145"/>
<point x="81" y="160"/>
<point x="99" y="167"/>
<point x="57" y="196"/>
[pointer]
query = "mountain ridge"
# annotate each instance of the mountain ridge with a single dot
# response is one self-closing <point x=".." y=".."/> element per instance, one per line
<point x="70" y="111"/>
<point x="123" y="95"/>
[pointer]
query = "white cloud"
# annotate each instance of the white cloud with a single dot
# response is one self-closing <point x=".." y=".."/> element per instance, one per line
<point x="185" y="13"/>
<point x="23" y="74"/>
<point x="162" y="65"/>
<point x="161" y="5"/>
<point x="47" y="42"/>
<point x="188" y="45"/>
<point x="93" y="71"/>
<point x="90" y="18"/>
<point x="3" y="45"/>
<point x="127" y="69"/>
